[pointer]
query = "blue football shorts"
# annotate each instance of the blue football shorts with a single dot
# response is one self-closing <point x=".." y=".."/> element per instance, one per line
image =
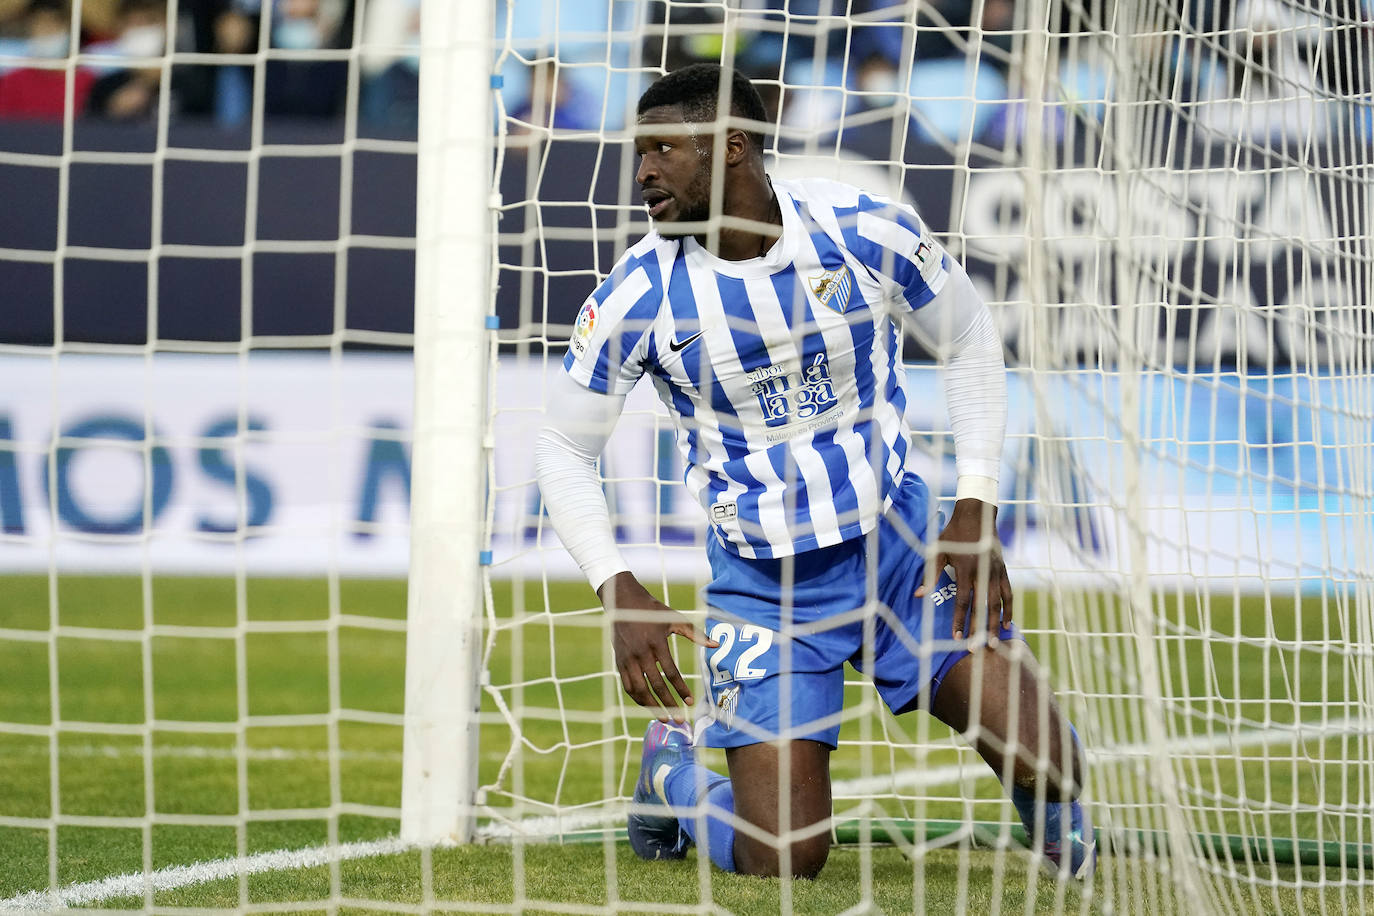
<point x="787" y="626"/>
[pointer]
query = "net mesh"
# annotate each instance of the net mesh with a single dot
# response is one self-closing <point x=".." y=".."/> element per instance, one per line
<point x="1166" y="205"/>
<point x="1167" y="208"/>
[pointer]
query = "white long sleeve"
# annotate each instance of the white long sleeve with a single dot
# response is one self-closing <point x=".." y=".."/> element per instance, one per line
<point x="958" y="328"/>
<point x="578" y="424"/>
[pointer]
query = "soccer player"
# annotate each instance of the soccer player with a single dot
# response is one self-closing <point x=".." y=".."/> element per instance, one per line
<point x="773" y="340"/>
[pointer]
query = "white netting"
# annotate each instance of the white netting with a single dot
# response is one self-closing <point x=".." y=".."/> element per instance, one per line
<point x="1167" y="206"/>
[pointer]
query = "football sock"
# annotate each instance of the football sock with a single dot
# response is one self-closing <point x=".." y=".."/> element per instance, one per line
<point x="683" y="787"/>
<point x="1054" y="815"/>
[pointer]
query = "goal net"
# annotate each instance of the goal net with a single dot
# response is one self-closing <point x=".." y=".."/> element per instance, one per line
<point x="1167" y="208"/>
<point x="238" y="673"/>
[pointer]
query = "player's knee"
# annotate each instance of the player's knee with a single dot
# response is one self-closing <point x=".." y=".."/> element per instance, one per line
<point x="804" y="858"/>
<point x="809" y="856"/>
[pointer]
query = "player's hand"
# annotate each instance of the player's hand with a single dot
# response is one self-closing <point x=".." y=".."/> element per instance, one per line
<point x="980" y="576"/>
<point x="641" y="625"/>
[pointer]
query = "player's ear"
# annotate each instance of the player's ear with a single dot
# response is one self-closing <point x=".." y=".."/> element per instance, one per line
<point x="736" y="147"/>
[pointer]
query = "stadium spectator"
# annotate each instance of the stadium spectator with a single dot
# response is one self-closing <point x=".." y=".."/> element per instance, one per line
<point x="131" y="93"/>
<point x="228" y="28"/>
<point x="41" y="92"/>
<point x="391" y="65"/>
<point x="97" y="18"/>
<point x="295" y="87"/>
<point x="306" y="88"/>
<point x="553" y="102"/>
<point x="879" y="83"/>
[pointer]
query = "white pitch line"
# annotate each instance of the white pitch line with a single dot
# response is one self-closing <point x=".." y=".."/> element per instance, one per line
<point x="178" y="876"/>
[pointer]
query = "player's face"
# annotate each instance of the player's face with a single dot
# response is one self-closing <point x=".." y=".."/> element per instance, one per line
<point x="674" y="171"/>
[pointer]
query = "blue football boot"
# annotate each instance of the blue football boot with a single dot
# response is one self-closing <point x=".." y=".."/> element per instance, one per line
<point x="658" y="836"/>
<point x="1080" y="846"/>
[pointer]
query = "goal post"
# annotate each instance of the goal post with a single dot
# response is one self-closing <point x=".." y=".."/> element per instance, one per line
<point x="451" y="447"/>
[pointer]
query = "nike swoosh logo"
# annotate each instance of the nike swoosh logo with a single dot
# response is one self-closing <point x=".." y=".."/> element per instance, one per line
<point x="676" y="345"/>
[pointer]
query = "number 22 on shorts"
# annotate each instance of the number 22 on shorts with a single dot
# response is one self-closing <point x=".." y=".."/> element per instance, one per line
<point x="760" y="640"/>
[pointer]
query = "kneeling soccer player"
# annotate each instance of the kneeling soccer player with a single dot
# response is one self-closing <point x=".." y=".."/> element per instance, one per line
<point x="774" y="345"/>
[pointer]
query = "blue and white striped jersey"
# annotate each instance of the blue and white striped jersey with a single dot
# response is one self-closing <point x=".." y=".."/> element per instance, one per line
<point x="780" y="372"/>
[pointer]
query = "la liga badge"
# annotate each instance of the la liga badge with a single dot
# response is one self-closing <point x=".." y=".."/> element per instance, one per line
<point x="583" y="327"/>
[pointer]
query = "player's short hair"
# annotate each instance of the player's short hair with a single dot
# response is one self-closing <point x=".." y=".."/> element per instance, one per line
<point x="696" y="88"/>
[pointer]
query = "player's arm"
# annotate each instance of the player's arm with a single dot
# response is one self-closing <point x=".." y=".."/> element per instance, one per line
<point x="565" y="464"/>
<point x="956" y="324"/>
<point x="936" y="300"/>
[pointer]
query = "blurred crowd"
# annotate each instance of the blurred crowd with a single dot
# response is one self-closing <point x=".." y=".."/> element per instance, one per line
<point x="119" y="74"/>
<point x="1248" y="67"/>
<point x="1256" y="70"/>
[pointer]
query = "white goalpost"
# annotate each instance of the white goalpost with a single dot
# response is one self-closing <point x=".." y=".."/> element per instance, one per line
<point x="450" y="455"/>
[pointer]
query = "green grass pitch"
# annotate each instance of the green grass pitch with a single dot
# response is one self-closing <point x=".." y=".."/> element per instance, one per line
<point x="286" y="790"/>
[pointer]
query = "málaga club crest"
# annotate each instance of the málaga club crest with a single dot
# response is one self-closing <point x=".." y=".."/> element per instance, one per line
<point x="832" y="288"/>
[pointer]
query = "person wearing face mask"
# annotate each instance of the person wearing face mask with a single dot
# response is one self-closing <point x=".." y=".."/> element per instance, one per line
<point x="131" y="93"/>
<point x="298" y="29"/>
<point x="40" y="92"/>
<point x="390" y="62"/>
<point x="879" y="82"/>
<point x="296" y="85"/>
<point x="305" y="88"/>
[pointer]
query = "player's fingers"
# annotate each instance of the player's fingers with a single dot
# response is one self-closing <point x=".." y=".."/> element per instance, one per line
<point x="997" y="594"/>
<point x="991" y="574"/>
<point x="634" y="677"/>
<point x="674" y="676"/>
<point x="1008" y="597"/>
<point x="691" y="632"/>
<point x="994" y="622"/>
<point x="662" y="697"/>
<point x="963" y="599"/>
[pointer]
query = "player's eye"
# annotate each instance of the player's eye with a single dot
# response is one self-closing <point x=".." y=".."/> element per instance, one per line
<point x="659" y="148"/>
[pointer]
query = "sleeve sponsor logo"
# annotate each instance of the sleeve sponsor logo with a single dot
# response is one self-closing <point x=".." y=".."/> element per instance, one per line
<point x="724" y="512"/>
<point x="583" y="327"/>
<point x="929" y="256"/>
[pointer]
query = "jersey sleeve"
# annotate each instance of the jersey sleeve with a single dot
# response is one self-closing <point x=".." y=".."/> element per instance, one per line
<point x="610" y="338"/>
<point x="895" y="243"/>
